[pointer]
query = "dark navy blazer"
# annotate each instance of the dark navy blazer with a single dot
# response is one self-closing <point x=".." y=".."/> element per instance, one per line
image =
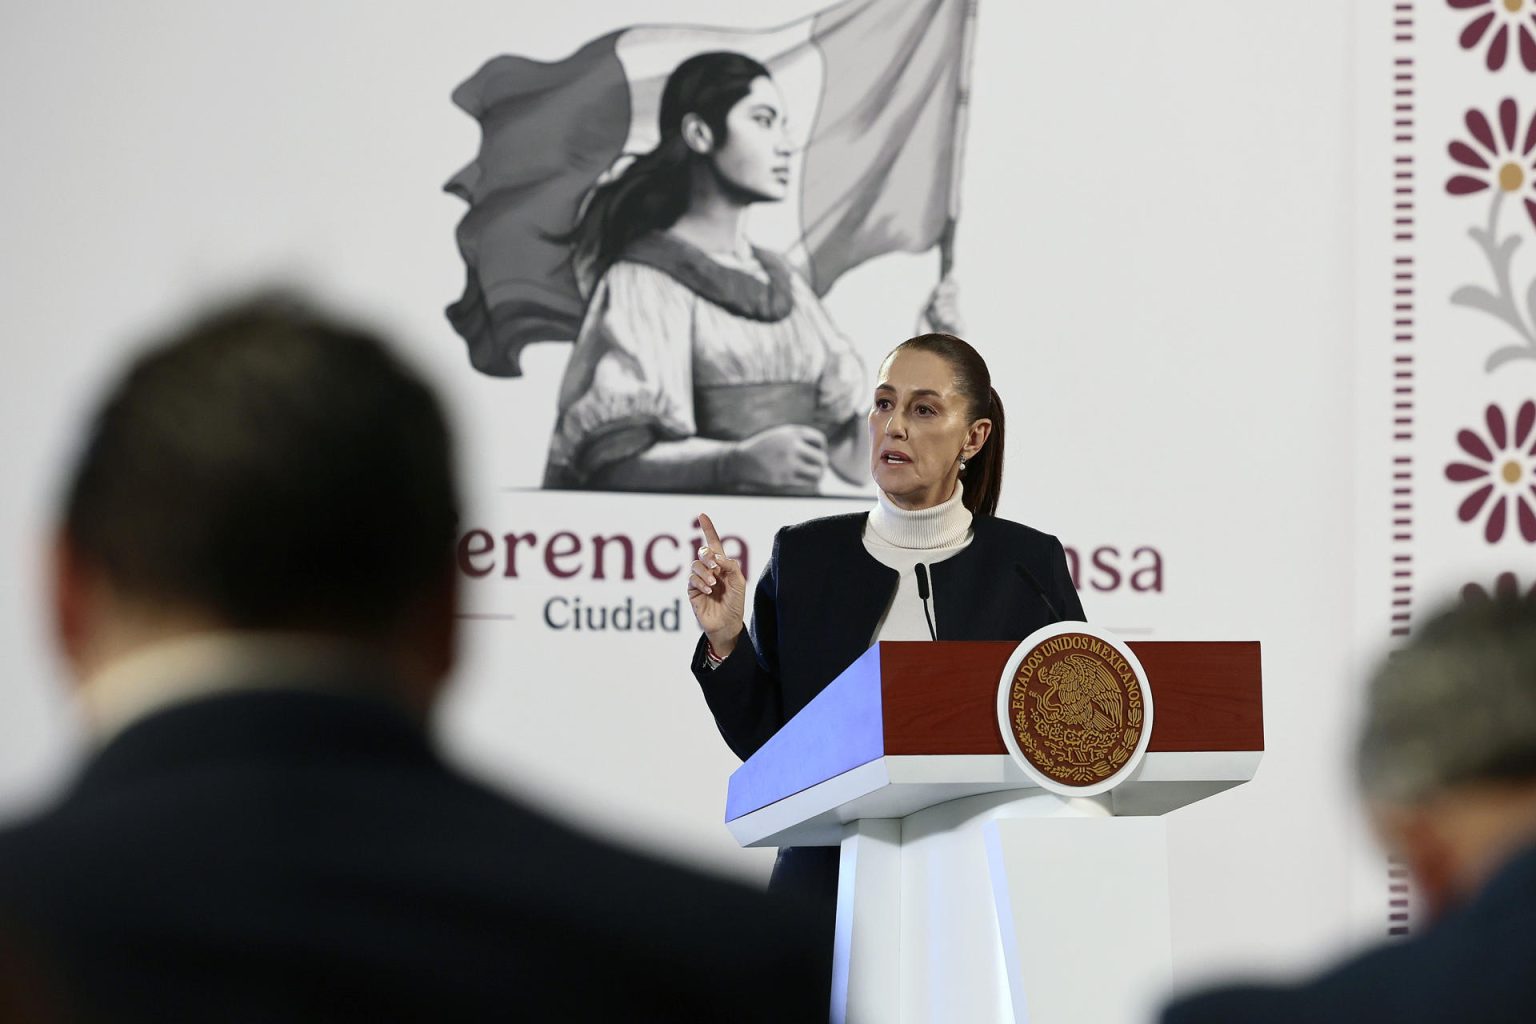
<point x="1475" y="966"/>
<point x="305" y="856"/>
<point x="822" y="595"/>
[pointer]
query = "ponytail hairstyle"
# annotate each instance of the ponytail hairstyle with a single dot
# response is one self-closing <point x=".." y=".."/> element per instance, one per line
<point x="653" y="191"/>
<point x="984" y="472"/>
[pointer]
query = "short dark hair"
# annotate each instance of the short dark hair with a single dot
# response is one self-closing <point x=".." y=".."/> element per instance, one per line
<point x="271" y="466"/>
<point x="1456" y="705"/>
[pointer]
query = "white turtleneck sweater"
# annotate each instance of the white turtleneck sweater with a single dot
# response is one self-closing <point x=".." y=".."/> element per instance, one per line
<point x="901" y="540"/>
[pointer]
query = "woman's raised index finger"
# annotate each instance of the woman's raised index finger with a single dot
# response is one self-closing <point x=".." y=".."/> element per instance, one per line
<point x="710" y="536"/>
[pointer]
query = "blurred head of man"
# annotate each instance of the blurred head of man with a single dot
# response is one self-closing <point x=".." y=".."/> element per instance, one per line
<point x="1447" y="757"/>
<point x="266" y="470"/>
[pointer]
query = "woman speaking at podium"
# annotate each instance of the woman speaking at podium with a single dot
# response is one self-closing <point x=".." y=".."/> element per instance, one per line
<point x="931" y="560"/>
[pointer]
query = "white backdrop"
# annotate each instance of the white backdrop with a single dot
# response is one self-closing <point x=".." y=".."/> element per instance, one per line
<point x="1155" y="254"/>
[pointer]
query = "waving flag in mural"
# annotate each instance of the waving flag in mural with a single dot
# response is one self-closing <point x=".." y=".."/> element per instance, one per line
<point x="601" y="177"/>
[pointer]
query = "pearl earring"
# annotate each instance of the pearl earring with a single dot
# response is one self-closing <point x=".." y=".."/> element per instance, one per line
<point x="962" y="463"/>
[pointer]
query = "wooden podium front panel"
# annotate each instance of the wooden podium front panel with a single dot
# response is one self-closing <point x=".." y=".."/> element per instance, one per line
<point x="1205" y="696"/>
<point x="941" y="698"/>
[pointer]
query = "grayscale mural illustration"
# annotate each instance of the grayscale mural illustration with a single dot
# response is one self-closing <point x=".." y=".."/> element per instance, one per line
<point x="609" y="207"/>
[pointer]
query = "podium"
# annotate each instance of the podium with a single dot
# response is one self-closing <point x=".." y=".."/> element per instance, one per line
<point x="967" y="892"/>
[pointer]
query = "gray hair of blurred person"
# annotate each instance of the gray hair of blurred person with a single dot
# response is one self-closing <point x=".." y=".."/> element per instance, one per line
<point x="1454" y="707"/>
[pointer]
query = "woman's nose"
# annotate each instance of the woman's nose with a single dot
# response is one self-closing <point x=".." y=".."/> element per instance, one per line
<point x="894" y="427"/>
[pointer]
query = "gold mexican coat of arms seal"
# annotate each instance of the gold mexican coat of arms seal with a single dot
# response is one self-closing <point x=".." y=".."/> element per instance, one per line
<point x="1076" y="708"/>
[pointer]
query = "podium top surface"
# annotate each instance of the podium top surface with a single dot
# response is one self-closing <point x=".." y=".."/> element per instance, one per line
<point x="940" y="698"/>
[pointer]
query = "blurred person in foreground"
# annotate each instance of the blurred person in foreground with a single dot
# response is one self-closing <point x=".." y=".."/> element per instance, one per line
<point x="1447" y="766"/>
<point x="254" y="586"/>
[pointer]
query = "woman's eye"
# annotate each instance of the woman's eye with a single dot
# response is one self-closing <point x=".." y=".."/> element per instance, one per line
<point x="925" y="410"/>
<point x="882" y="404"/>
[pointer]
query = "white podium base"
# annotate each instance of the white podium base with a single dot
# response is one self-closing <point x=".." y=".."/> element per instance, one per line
<point x="1002" y="907"/>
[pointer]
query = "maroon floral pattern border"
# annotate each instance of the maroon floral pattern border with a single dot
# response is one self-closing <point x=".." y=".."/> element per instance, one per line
<point x="1496" y="27"/>
<point x="1489" y="456"/>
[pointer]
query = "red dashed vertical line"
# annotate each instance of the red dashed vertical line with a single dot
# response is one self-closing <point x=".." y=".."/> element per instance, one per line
<point x="1403" y="316"/>
<point x="1402" y="381"/>
<point x="1398" y="899"/>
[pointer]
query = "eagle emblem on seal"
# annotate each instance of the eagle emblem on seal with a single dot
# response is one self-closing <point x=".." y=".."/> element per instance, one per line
<point x="1078" y="712"/>
<point x="1074" y="706"/>
<point x="1081" y="692"/>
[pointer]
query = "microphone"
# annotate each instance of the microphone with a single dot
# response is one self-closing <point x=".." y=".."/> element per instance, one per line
<point x="922" y="592"/>
<point x="1023" y="571"/>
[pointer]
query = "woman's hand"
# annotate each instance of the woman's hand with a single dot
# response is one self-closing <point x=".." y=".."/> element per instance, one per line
<point x="718" y="592"/>
<point x="942" y="311"/>
<point x="787" y="459"/>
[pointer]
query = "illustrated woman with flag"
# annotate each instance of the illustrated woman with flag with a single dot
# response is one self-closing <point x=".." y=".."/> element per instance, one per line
<point x="703" y="363"/>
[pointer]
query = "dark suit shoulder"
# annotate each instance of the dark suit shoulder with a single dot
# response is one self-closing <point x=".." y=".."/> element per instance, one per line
<point x="1014" y="536"/>
<point x="1378" y="985"/>
<point x="1473" y="967"/>
<point x="28" y="850"/>
<point x="815" y="541"/>
<point x="438" y="891"/>
<point x="825" y="529"/>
